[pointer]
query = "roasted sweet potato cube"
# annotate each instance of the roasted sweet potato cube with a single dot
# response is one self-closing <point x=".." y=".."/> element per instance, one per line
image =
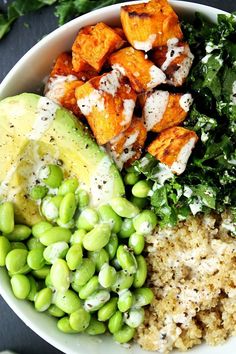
<point x="94" y="44"/>
<point x="149" y="25"/>
<point x="163" y="110"/>
<point x="175" y="60"/>
<point x="127" y="146"/>
<point x="173" y="148"/>
<point x="120" y="32"/>
<point x="78" y="63"/>
<point x="142" y="73"/>
<point x="107" y="101"/>
<point x="61" y="89"/>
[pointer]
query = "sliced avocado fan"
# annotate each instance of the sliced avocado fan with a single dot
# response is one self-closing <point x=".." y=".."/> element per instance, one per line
<point x="36" y="131"/>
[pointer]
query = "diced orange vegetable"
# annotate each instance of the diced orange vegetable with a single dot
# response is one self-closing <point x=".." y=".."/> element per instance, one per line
<point x="142" y="73"/>
<point x="61" y="89"/>
<point x="173" y="148"/>
<point x="149" y="25"/>
<point x="94" y="44"/>
<point x="127" y="147"/>
<point x="78" y="63"/>
<point x="162" y="110"/>
<point x="175" y="60"/>
<point x="107" y="102"/>
<point x="120" y="32"/>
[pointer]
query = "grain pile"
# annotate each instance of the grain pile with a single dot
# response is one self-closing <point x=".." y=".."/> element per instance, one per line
<point x="192" y="271"/>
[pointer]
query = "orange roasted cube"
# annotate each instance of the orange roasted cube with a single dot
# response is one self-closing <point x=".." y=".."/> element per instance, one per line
<point x="127" y="146"/>
<point x="120" y="32"/>
<point x="150" y="25"/>
<point x="108" y="102"/>
<point x="141" y="72"/>
<point x="175" y="60"/>
<point x="173" y="148"/>
<point x="61" y="89"/>
<point x="63" y="66"/>
<point x="163" y="109"/>
<point x="94" y="44"/>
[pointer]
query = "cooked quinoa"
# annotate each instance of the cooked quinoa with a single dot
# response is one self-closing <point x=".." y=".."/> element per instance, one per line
<point x="192" y="271"/>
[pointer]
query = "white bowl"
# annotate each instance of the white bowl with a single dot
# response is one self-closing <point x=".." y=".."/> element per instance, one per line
<point x="26" y="76"/>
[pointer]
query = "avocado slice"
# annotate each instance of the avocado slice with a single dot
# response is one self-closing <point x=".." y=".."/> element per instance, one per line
<point x="36" y="131"/>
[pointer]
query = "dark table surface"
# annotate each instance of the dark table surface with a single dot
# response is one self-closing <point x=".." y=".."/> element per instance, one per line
<point x="26" y="32"/>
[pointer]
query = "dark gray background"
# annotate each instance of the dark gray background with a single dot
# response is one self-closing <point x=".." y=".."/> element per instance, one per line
<point x="26" y="32"/>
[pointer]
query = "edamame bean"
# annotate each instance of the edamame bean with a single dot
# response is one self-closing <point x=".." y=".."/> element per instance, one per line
<point x="141" y="203"/>
<point x="136" y="243"/>
<point x="106" y="311"/>
<point x="141" y="189"/>
<point x="107" y="276"/>
<point x="18" y="245"/>
<point x="5" y="248"/>
<point x="64" y="326"/>
<point x="54" y="311"/>
<point x="79" y="320"/>
<point x="126" y="259"/>
<point x="78" y="237"/>
<point x="55" y="234"/>
<point x="115" y="322"/>
<point x="87" y="219"/>
<point x="97" y="238"/>
<point x="123" y="281"/>
<point x="20" y="233"/>
<point x="6" y="217"/>
<point x="16" y="261"/>
<point x="60" y="275"/>
<point x="55" y="251"/>
<point x="41" y="273"/>
<point x="50" y="207"/>
<point x="124" y="208"/>
<point x="141" y="273"/>
<point x="35" y="259"/>
<point x="112" y="246"/>
<point x="143" y="297"/>
<point x="41" y="227"/>
<point x="89" y="288"/>
<point x="131" y="178"/>
<point x="99" y="258"/>
<point x="145" y="222"/>
<point x="43" y="300"/>
<point x="33" y="288"/>
<point x="74" y="256"/>
<point x="124" y="335"/>
<point x="67" y="301"/>
<point x="95" y="327"/>
<point x="134" y="318"/>
<point x="48" y="282"/>
<point x="68" y="186"/>
<point x="51" y="175"/>
<point x="107" y="215"/>
<point x="116" y="264"/>
<point x="95" y="301"/>
<point x="84" y="272"/>
<point x="20" y="286"/>
<point x="69" y="225"/>
<point x="67" y="208"/>
<point x="38" y="192"/>
<point x="83" y="198"/>
<point x="34" y="243"/>
<point x="125" y="300"/>
<point x="127" y="228"/>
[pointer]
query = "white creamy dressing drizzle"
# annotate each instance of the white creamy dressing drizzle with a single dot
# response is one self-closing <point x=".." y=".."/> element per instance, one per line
<point x="109" y="83"/>
<point x="102" y="182"/>
<point x="45" y="114"/>
<point x="173" y="51"/>
<point x="157" y="77"/>
<point x="163" y="174"/>
<point x="196" y="206"/>
<point x="180" y="164"/>
<point x="186" y="101"/>
<point x="94" y="99"/>
<point x="210" y="47"/>
<point x="128" y="108"/>
<point x="154" y="108"/>
<point x="120" y="68"/>
<point x="145" y="45"/>
<point x="180" y="74"/>
<point x="55" y="89"/>
<point x="206" y="58"/>
<point x="128" y="151"/>
<point x="233" y="96"/>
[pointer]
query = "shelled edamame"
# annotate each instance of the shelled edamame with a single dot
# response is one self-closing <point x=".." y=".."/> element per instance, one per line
<point x="80" y="265"/>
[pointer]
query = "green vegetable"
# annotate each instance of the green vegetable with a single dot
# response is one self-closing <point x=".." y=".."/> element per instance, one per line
<point x="79" y="320"/>
<point x="43" y="300"/>
<point x="20" y="286"/>
<point x="95" y="327"/>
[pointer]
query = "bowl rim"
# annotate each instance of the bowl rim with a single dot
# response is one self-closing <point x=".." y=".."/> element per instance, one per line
<point x="5" y="293"/>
